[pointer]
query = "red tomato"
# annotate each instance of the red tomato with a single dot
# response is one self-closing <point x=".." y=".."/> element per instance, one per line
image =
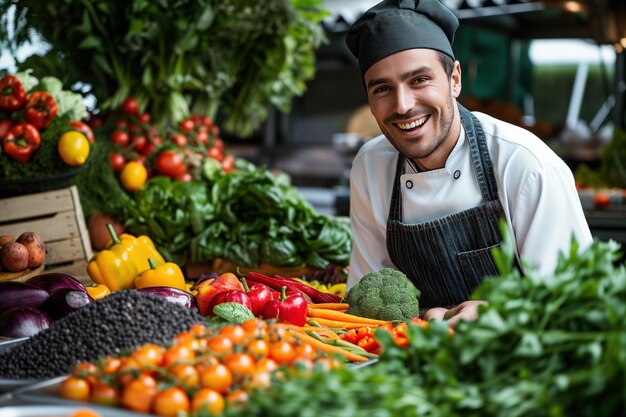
<point x="178" y="139"/>
<point x="144" y="118"/>
<point x="215" y="153"/>
<point x="202" y="136"/>
<point x="228" y="163"/>
<point x="139" y="143"/>
<point x="5" y="126"/>
<point x="120" y="138"/>
<point x="186" y="125"/>
<point x="170" y="163"/>
<point x="84" y="129"/>
<point x="185" y="177"/>
<point x="130" y="106"/>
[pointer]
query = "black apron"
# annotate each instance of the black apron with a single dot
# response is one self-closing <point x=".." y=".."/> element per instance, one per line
<point x="448" y="257"/>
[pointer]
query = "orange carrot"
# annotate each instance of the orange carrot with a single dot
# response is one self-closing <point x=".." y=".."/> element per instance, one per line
<point x="330" y="349"/>
<point x="336" y="324"/>
<point x="340" y="316"/>
<point x="330" y="306"/>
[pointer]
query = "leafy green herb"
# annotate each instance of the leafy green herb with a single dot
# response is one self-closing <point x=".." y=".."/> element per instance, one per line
<point x="233" y="312"/>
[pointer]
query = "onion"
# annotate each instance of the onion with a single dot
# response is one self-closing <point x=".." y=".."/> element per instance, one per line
<point x="54" y="281"/>
<point x="171" y="294"/>
<point x="23" y="322"/>
<point x="19" y="294"/>
<point x="64" y="301"/>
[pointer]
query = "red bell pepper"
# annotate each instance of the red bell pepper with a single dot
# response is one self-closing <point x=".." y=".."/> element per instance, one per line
<point x="5" y="126"/>
<point x="21" y="141"/>
<point x="41" y="109"/>
<point x="12" y="93"/>
<point x="289" y="309"/>
<point x="259" y="294"/>
<point x="229" y="296"/>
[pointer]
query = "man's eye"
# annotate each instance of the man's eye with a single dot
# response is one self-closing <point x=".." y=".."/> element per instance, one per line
<point x="379" y="90"/>
<point x="418" y="80"/>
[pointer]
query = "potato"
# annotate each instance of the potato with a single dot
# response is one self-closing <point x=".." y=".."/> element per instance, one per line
<point x="14" y="256"/>
<point x="6" y="238"/>
<point x="35" y="246"/>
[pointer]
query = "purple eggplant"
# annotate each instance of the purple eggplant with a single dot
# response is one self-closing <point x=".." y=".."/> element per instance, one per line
<point x="54" y="281"/>
<point x="20" y="294"/>
<point x="173" y="295"/>
<point x="65" y="301"/>
<point x="23" y="322"/>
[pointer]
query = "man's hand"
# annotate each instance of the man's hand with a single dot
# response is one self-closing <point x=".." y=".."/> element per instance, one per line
<point x="467" y="310"/>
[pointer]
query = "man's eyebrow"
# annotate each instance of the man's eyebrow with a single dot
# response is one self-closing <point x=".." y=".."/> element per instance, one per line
<point x="403" y="77"/>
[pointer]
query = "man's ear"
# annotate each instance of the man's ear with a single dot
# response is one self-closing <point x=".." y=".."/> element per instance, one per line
<point x="455" y="80"/>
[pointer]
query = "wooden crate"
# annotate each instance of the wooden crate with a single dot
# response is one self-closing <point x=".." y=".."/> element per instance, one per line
<point x="57" y="217"/>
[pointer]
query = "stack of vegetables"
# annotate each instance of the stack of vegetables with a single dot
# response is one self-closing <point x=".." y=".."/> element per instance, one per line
<point x="41" y="130"/>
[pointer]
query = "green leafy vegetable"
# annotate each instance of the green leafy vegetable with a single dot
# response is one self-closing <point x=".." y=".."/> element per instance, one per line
<point x="233" y="312"/>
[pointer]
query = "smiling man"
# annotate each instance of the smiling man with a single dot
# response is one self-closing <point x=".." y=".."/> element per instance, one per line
<point x="427" y="196"/>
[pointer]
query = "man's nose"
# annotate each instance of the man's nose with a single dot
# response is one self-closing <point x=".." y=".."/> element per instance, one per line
<point x="404" y="101"/>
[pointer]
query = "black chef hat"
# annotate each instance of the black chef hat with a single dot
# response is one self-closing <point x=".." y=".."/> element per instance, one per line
<point x="396" y="25"/>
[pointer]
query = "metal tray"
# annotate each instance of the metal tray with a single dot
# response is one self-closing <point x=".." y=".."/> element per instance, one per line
<point x="62" y="410"/>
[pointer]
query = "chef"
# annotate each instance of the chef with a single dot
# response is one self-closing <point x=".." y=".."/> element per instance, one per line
<point x="427" y="196"/>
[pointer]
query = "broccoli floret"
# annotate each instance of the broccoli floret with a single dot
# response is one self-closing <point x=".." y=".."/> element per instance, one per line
<point x="384" y="295"/>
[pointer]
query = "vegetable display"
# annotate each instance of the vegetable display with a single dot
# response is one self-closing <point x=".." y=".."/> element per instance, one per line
<point x="175" y="60"/>
<point x="34" y="115"/>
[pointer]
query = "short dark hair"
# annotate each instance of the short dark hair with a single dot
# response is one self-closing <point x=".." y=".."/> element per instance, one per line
<point x="447" y="62"/>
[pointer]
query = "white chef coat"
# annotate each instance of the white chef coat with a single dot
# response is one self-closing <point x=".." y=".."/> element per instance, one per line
<point x="535" y="187"/>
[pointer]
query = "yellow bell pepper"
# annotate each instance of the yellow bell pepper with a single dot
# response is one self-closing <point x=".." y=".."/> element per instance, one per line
<point x="98" y="291"/>
<point x="119" y="264"/>
<point x="166" y="275"/>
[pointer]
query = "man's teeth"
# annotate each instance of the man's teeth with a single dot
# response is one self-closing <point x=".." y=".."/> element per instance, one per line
<point x="416" y="123"/>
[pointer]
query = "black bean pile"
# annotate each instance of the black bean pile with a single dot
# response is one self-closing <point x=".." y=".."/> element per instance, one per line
<point x="112" y="325"/>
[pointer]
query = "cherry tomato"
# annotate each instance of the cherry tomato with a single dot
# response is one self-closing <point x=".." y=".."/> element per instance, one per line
<point x="215" y="153"/>
<point x="203" y="137"/>
<point x="258" y="380"/>
<point x="117" y="161"/>
<point x="186" y="125"/>
<point x="171" y="401"/>
<point x="218" y="143"/>
<point x="282" y="351"/>
<point x="74" y="388"/>
<point x="149" y="355"/>
<point x="133" y="176"/>
<point x="228" y="164"/>
<point x="120" y="138"/>
<point x="130" y="106"/>
<point x="255" y="328"/>
<point x="110" y="364"/>
<point x="258" y="348"/>
<point x="305" y="351"/>
<point x="144" y="118"/>
<point x="179" y="140"/>
<point x="84" y="129"/>
<point x="178" y="354"/>
<point x="220" y="344"/>
<point x="207" y="399"/>
<point x="240" y="364"/>
<point x="185" y="375"/>
<point x="234" y="332"/>
<point x="266" y="364"/>
<point x="237" y="398"/>
<point x="103" y="394"/>
<point x="218" y="377"/>
<point x="139" y="143"/>
<point x="170" y="163"/>
<point x="139" y="393"/>
<point x="184" y="177"/>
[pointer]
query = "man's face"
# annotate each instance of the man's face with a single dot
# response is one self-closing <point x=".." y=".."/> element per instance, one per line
<point x="413" y="101"/>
